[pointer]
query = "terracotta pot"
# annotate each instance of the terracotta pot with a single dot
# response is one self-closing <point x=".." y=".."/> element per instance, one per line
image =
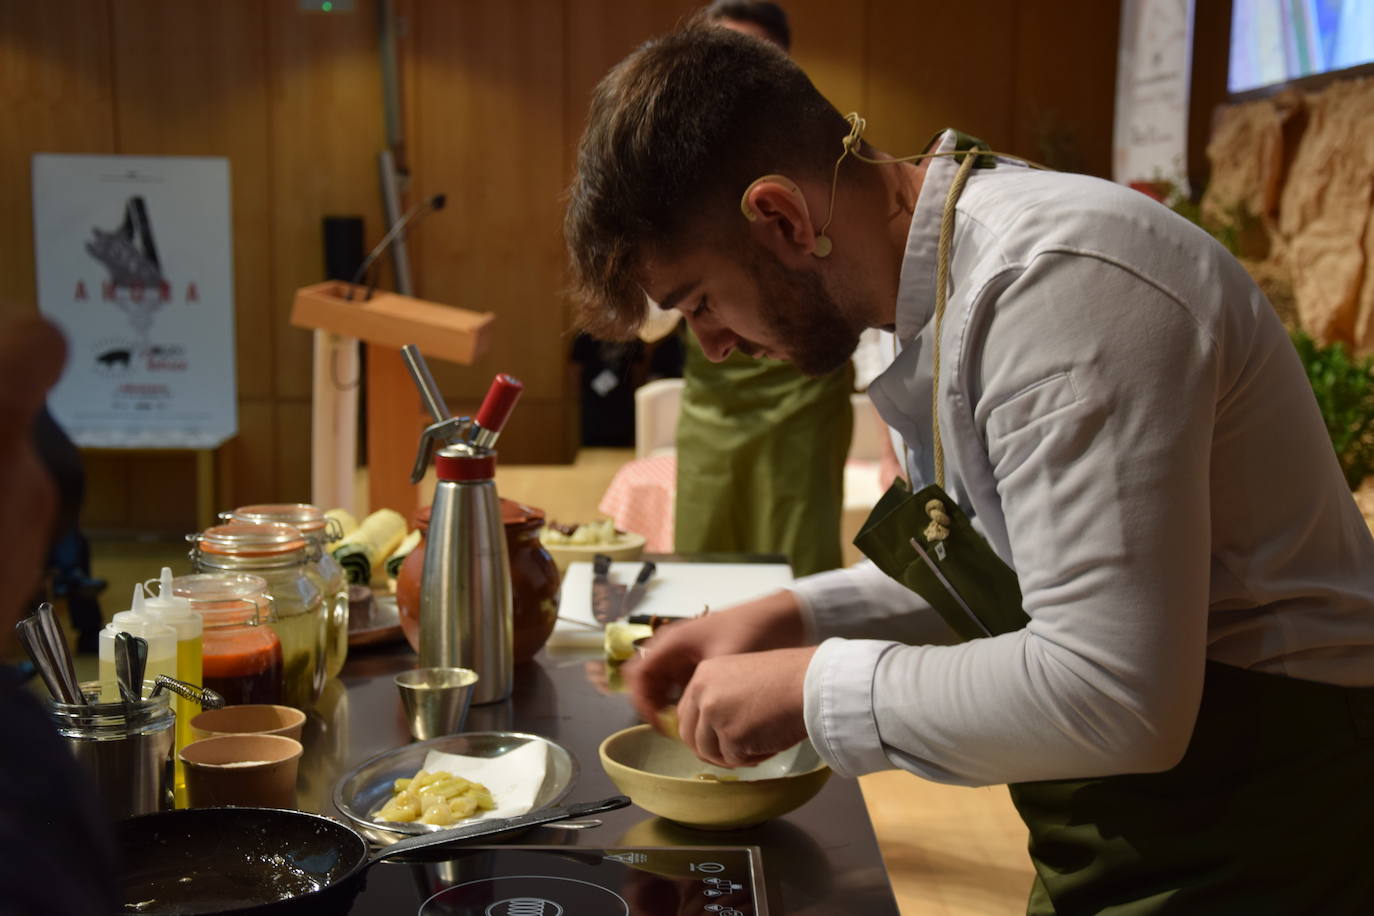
<point x="534" y="580"/>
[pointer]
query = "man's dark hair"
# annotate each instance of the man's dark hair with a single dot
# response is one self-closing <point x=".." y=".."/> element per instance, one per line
<point x="768" y="16"/>
<point x="675" y="134"/>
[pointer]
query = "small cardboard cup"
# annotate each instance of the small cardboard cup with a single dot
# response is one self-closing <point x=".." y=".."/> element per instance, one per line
<point x="249" y="719"/>
<point x="256" y="771"/>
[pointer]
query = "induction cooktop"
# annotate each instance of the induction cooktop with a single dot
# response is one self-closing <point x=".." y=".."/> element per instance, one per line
<point x="571" y="881"/>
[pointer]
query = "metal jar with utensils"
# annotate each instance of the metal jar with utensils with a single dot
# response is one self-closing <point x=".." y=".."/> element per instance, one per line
<point x="279" y="554"/>
<point x="466" y="611"/>
<point x="126" y="747"/>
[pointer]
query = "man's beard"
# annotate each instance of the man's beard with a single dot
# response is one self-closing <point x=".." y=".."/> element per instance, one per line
<point x="802" y="315"/>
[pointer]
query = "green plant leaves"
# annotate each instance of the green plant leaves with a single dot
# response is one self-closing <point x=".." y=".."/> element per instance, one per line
<point x="1344" y="388"/>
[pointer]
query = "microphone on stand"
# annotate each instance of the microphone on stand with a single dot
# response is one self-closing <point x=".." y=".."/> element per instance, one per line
<point x="425" y="206"/>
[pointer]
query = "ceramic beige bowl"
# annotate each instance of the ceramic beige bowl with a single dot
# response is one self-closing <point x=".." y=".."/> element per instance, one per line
<point x="663" y="777"/>
<point x="256" y="771"/>
<point x="628" y="546"/>
<point x="249" y="719"/>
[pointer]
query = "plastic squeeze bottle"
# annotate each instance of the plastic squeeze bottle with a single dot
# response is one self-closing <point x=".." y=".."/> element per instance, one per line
<point x="162" y="646"/>
<point x="167" y="607"/>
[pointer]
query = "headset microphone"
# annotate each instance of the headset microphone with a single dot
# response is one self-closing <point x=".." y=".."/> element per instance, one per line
<point x="852" y="147"/>
<point x="823" y="245"/>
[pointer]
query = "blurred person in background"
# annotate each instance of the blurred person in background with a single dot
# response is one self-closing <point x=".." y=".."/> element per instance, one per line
<point x="56" y="852"/>
<point x="761" y="447"/>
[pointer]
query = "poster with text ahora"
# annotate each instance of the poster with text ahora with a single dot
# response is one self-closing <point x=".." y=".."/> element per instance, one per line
<point x="135" y="264"/>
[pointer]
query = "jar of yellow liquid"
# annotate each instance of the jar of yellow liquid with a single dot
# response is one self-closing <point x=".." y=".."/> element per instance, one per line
<point x="162" y="646"/>
<point x="175" y="611"/>
<point x="320" y="530"/>
<point x="279" y="554"/>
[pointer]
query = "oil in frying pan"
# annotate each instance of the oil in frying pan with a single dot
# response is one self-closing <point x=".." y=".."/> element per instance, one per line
<point x="218" y="886"/>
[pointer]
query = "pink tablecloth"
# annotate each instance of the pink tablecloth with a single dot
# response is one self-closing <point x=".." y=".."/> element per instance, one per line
<point x="640" y="499"/>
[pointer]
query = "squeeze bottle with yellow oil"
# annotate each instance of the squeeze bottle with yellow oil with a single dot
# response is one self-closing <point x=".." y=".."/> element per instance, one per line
<point x="162" y="646"/>
<point x="175" y="611"/>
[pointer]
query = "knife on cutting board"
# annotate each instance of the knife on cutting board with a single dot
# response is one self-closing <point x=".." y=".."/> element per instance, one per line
<point x="627" y="604"/>
<point x="607" y="597"/>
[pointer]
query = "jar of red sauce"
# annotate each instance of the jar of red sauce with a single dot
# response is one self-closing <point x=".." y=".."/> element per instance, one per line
<point x="241" y="654"/>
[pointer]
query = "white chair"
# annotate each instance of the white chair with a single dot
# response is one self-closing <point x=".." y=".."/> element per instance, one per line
<point x="656" y="409"/>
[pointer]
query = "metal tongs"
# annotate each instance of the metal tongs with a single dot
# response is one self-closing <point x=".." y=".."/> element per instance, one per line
<point x="474" y="435"/>
<point x="203" y="696"/>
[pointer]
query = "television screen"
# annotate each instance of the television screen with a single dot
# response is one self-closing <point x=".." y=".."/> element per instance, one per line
<point x="1274" y="41"/>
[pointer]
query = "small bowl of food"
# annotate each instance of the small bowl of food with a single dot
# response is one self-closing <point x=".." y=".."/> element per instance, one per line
<point x="475" y="774"/>
<point x="579" y="543"/>
<point x="663" y="777"/>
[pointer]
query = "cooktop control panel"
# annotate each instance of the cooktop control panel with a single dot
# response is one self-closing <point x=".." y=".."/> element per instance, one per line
<point x="570" y="880"/>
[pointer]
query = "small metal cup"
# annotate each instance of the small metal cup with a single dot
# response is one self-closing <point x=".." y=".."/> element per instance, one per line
<point x="436" y="700"/>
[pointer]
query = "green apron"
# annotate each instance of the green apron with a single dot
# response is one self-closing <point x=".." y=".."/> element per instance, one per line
<point x="1271" y="809"/>
<point x="760" y="459"/>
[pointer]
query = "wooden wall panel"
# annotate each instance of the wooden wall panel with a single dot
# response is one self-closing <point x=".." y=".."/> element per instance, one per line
<point x="1065" y="84"/>
<point x="161" y="492"/>
<point x="486" y="129"/>
<point x="326" y="127"/>
<point x="600" y="33"/>
<point x="828" y="42"/>
<point x="292" y="453"/>
<point x="188" y="82"/>
<point x="485" y="126"/>
<point x="105" y="504"/>
<point x="55" y="97"/>
<point x="934" y="65"/>
<point x="253" y="455"/>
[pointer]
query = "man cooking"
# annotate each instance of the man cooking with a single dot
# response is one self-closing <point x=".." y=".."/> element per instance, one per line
<point x="1128" y="578"/>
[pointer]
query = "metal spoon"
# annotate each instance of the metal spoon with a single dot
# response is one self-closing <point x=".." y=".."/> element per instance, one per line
<point x="124" y="664"/>
<point x="61" y="653"/>
<point x="138" y="664"/>
<point x="31" y="637"/>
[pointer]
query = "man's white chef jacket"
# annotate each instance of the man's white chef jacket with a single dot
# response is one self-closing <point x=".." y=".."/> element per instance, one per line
<point x="1128" y="424"/>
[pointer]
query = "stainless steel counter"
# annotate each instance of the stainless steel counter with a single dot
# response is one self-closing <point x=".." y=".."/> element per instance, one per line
<point x="819" y="860"/>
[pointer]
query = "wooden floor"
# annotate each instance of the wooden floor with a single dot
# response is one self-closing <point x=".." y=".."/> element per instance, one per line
<point x="949" y="851"/>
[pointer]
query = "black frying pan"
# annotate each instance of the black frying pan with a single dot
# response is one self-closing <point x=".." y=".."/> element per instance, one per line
<point x="265" y="860"/>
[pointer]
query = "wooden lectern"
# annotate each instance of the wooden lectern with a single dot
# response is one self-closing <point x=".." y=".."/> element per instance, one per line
<point x="395" y="414"/>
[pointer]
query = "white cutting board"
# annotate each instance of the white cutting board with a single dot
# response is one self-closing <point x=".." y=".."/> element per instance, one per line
<point x="676" y="590"/>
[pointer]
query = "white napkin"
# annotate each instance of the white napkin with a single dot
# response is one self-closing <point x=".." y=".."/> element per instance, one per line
<point x="513" y="778"/>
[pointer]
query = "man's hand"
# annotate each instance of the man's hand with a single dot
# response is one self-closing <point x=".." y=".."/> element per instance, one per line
<point x="661" y="675"/>
<point x="739" y="710"/>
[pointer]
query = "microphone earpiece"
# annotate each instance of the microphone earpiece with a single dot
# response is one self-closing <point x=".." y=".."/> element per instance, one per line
<point x="823" y="246"/>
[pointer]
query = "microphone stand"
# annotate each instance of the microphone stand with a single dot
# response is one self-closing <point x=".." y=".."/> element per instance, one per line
<point x="425" y="206"/>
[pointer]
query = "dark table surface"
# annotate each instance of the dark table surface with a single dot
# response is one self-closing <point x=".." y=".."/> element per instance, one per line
<point x="820" y="859"/>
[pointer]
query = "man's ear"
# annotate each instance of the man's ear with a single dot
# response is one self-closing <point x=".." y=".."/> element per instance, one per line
<point x="777" y="202"/>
